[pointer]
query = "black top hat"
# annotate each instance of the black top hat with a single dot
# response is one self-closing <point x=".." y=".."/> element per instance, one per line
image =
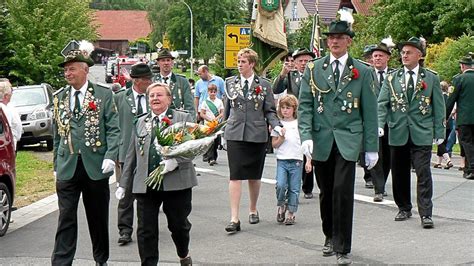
<point x="164" y="53"/>
<point x="76" y="56"/>
<point x="140" y="70"/>
<point x="340" y="27"/>
<point x="468" y="59"/>
<point x="413" y="41"/>
<point x="382" y="47"/>
<point x="303" y="51"/>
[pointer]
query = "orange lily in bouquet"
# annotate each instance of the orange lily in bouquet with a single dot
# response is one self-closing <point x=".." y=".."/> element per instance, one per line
<point x="182" y="140"/>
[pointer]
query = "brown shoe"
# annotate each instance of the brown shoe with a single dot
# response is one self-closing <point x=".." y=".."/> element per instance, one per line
<point x="281" y="214"/>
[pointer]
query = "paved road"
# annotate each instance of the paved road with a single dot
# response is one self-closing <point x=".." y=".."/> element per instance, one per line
<point x="377" y="239"/>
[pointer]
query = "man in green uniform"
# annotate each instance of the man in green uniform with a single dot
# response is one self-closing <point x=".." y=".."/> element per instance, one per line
<point x="378" y="175"/>
<point x="179" y="85"/>
<point x="412" y="104"/>
<point x="463" y="95"/>
<point x="131" y="103"/>
<point x="338" y="113"/>
<point x="86" y="135"/>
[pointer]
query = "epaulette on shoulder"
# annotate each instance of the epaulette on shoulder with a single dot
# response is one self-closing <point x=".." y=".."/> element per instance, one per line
<point x="120" y="91"/>
<point x="266" y="79"/>
<point x="58" y="91"/>
<point x="363" y="62"/>
<point x="180" y="75"/>
<point x="455" y="76"/>
<point x="138" y="117"/>
<point x="317" y="59"/>
<point x="392" y="71"/>
<point x="102" y="85"/>
<point x="432" y="71"/>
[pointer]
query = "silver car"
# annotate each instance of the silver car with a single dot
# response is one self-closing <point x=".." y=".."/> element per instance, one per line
<point x="35" y="105"/>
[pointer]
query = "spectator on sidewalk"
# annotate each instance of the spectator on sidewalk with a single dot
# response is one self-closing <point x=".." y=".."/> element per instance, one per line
<point x="212" y="109"/>
<point x="12" y="115"/>
<point x="442" y="152"/>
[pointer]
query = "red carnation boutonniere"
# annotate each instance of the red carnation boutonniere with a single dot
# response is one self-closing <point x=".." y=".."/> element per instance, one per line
<point x="258" y="90"/>
<point x="92" y="105"/>
<point x="166" y="121"/>
<point x="355" y="73"/>
<point x="424" y="85"/>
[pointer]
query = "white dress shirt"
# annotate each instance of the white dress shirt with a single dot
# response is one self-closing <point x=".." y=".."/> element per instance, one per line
<point x="72" y="97"/>
<point x="142" y="101"/>
<point x="342" y="63"/>
<point x="415" y="76"/>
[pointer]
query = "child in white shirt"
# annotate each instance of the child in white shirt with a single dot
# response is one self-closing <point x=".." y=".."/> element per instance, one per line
<point x="289" y="160"/>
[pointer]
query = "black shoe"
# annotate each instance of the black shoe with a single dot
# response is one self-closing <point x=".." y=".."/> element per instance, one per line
<point x="328" y="248"/>
<point x="427" y="222"/>
<point x="212" y="162"/>
<point x="468" y="176"/>
<point x="186" y="262"/>
<point x="403" y="215"/>
<point x="385" y="194"/>
<point x="308" y="195"/>
<point x="253" y="218"/>
<point x="101" y="263"/>
<point x="124" y="239"/>
<point x="233" y="227"/>
<point x="448" y="165"/>
<point x="369" y="184"/>
<point x="378" y="197"/>
<point x="343" y="259"/>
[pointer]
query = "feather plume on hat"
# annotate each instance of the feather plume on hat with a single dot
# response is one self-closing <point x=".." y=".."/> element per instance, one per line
<point x="423" y="43"/>
<point x="388" y="42"/>
<point x="86" y="48"/>
<point x="346" y="16"/>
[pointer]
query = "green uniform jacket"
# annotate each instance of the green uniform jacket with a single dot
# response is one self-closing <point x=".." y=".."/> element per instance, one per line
<point x="183" y="99"/>
<point x="127" y="110"/>
<point x="346" y="115"/>
<point x="94" y="134"/>
<point x="463" y="94"/>
<point x="292" y="85"/>
<point x="422" y="117"/>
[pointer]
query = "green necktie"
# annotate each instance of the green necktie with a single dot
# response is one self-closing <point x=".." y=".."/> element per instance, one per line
<point x="336" y="73"/>
<point x="411" y="85"/>
<point x="139" y="103"/>
<point x="77" y="103"/>
<point x="246" y="88"/>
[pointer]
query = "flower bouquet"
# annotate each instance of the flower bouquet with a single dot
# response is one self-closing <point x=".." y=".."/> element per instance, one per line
<point x="181" y="140"/>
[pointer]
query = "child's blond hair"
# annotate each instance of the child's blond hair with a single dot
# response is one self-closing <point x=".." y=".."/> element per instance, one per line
<point x="290" y="101"/>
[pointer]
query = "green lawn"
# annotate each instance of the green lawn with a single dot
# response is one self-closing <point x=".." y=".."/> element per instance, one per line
<point x="34" y="178"/>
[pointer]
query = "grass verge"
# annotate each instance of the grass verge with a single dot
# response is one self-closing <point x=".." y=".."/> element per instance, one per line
<point x="34" y="179"/>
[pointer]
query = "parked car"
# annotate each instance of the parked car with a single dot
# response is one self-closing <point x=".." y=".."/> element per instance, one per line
<point x="7" y="173"/>
<point x="35" y="105"/>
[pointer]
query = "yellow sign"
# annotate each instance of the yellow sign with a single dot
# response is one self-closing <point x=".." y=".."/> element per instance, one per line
<point x="166" y="42"/>
<point x="236" y="38"/>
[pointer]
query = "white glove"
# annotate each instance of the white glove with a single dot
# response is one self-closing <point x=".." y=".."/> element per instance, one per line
<point x="120" y="193"/>
<point x="307" y="147"/>
<point x="107" y="166"/>
<point x="371" y="159"/>
<point x="279" y="130"/>
<point x="381" y="132"/>
<point x="438" y="141"/>
<point x="170" y="165"/>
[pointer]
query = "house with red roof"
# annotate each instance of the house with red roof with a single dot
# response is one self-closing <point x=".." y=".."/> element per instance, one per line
<point x="116" y="28"/>
<point x="298" y="10"/>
